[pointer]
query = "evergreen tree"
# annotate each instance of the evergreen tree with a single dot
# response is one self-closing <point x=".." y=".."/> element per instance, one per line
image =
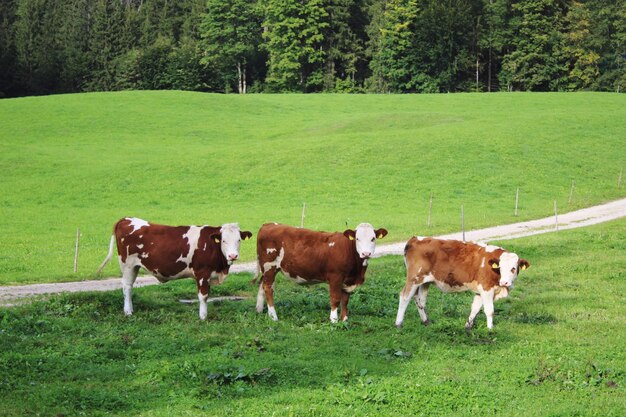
<point x="583" y="60"/>
<point x="8" y="68"/>
<point x="231" y="34"/>
<point x="537" y="61"/>
<point x="293" y="39"/>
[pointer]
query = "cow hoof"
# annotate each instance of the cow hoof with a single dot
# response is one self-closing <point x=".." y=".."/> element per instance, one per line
<point x="128" y="313"/>
<point x="426" y="323"/>
<point x="399" y="325"/>
<point x="469" y="326"/>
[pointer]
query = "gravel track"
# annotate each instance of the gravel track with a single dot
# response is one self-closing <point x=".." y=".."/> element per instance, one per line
<point x="13" y="295"/>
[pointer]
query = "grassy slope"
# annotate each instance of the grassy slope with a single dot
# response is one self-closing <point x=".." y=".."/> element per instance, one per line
<point x="189" y="158"/>
<point x="557" y="348"/>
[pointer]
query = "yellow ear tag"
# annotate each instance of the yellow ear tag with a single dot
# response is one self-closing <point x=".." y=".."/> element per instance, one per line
<point x="216" y="240"/>
<point x="350" y="237"/>
<point x="495" y="265"/>
<point x="380" y="236"/>
<point x="524" y="267"/>
<point x="246" y="238"/>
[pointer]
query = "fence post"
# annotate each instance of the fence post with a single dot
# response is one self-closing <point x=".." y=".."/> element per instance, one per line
<point x="302" y="219"/>
<point x="516" y="200"/>
<point x="463" y="222"/>
<point x="430" y="208"/>
<point x="556" y="217"/>
<point x="619" y="178"/>
<point x="76" y="250"/>
<point x="571" y="192"/>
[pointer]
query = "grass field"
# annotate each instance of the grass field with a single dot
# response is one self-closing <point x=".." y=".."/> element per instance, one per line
<point x="83" y="161"/>
<point x="557" y="348"/>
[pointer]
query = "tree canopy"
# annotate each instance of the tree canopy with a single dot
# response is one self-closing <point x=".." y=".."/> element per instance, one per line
<point x="379" y="46"/>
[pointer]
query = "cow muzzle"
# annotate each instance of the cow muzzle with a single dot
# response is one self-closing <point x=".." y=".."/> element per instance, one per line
<point x="233" y="257"/>
<point x="366" y="255"/>
<point x="506" y="284"/>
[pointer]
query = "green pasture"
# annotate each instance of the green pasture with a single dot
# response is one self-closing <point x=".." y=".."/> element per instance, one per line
<point x="557" y="348"/>
<point x="86" y="160"/>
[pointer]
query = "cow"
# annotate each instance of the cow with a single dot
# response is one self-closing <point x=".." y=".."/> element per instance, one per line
<point x="310" y="257"/>
<point x="172" y="252"/>
<point x="454" y="266"/>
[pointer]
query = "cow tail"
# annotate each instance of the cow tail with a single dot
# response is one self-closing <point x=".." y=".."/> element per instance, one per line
<point x="257" y="274"/>
<point x="109" y="255"/>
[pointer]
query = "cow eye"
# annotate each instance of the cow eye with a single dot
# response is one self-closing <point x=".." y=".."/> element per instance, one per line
<point x="513" y="270"/>
<point x="373" y="239"/>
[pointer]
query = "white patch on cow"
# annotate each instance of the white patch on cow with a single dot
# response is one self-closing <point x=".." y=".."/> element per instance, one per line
<point x="350" y="288"/>
<point x="140" y="236"/>
<point x="333" y="316"/>
<point x="482" y="263"/>
<point x="192" y="236"/>
<point x="365" y="240"/>
<point x="501" y="292"/>
<point x="331" y="244"/>
<point x="140" y="246"/>
<point x="492" y="248"/>
<point x="270" y="250"/>
<point x="299" y="280"/>
<point x="136" y="224"/>
<point x="271" y="311"/>
<point x="231" y="240"/>
<point x="364" y="262"/>
<point x="144" y="255"/>
<point x="420" y="238"/>
<point x="203" y="306"/>
<point x="122" y="240"/>
<point x="508" y="269"/>
<point x="276" y="263"/>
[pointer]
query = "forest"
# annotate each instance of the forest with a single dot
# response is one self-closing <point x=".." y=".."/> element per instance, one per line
<point x="311" y="46"/>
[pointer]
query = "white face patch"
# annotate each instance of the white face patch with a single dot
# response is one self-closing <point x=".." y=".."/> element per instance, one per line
<point x="136" y="224"/>
<point x="365" y="240"/>
<point x="508" y="268"/>
<point x="231" y="240"/>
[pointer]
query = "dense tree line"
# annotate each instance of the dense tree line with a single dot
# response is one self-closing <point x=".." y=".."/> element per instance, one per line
<point x="382" y="46"/>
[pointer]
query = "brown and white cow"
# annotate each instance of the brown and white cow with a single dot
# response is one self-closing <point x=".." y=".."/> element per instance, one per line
<point x="172" y="252"/>
<point x="454" y="266"/>
<point x="311" y="257"/>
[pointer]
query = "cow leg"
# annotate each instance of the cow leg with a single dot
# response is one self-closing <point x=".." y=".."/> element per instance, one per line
<point x="260" y="298"/>
<point x="476" y="306"/>
<point x="203" y="296"/>
<point x="336" y="291"/>
<point x="420" y="300"/>
<point x="129" y="275"/>
<point x="487" y="298"/>
<point x="268" y="289"/>
<point x="405" y="297"/>
<point x="345" y="297"/>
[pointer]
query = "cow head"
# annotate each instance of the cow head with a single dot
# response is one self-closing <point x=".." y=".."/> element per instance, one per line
<point x="230" y="238"/>
<point x="508" y="267"/>
<point x="365" y="237"/>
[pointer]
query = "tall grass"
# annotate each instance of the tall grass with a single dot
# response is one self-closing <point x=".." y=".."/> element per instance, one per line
<point x="83" y="161"/>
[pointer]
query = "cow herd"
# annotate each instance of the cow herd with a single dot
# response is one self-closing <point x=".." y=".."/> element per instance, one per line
<point x="305" y="256"/>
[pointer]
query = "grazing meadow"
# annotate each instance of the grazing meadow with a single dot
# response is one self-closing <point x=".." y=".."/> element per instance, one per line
<point x="557" y="348"/>
<point x="83" y="161"/>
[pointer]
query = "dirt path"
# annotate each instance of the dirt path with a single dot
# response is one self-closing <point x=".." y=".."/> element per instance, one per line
<point x="11" y="295"/>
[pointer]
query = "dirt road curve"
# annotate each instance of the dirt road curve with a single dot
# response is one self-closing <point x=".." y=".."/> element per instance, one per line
<point x="585" y="217"/>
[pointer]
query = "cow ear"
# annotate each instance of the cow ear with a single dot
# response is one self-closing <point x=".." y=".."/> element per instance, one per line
<point x="523" y="264"/>
<point x="350" y="234"/>
<point x="245" y="235"/>
<point x="381" y="233"/>
<point x="494" y="264"/>
<point x="216" y="237"/>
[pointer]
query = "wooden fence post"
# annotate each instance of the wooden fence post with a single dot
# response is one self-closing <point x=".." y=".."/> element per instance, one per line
<point x="516" y="200"/>
<point x="430" y="208"/>
<point x="463" y="221"/>
<point x="556" y="217"/>
<point x="302" y="219"/>
<point x="76" y="250"/>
